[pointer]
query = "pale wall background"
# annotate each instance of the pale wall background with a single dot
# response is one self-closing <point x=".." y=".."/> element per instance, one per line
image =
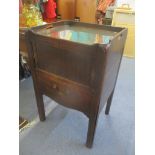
<point x="131" y="2"/>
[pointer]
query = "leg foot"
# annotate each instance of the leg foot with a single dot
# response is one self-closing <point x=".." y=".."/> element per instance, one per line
<point x="91" y="132"/>
<point x="40" y="105"/>
<point x="109" y="103"/>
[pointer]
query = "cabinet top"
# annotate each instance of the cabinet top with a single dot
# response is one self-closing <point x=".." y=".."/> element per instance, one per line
<point x="79" y="32"/>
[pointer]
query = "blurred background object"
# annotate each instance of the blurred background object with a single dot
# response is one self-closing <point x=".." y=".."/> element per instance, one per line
<point x="124" y="16"/>
<point x="30" y="14"/>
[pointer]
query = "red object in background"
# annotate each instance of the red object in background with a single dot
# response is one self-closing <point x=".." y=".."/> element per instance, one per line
<point x="49" y="11"/>
<point x="104" y="4"/>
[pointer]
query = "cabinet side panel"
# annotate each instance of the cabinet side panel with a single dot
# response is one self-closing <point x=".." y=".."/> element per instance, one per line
<point x="113" y="60"/>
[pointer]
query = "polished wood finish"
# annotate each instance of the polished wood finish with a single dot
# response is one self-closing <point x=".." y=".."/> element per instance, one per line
<point x="76" y="75"/>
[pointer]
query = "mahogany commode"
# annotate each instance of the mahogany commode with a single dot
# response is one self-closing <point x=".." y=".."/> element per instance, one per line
<point x="76" y="64"/>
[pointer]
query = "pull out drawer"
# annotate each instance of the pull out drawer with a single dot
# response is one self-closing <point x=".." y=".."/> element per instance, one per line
<point x="65" y="92"/>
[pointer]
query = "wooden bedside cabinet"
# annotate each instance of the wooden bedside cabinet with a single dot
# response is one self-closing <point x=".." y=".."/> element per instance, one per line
<point x="76" y="64"/>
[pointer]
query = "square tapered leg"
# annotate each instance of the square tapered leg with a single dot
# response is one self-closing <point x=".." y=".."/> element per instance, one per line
<point x="91" y="131"/>
<point x="40" y="106"/>
<point x="109" y="103"/>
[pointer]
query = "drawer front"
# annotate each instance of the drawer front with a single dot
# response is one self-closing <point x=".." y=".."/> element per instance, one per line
<point x="65" y="92"/>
